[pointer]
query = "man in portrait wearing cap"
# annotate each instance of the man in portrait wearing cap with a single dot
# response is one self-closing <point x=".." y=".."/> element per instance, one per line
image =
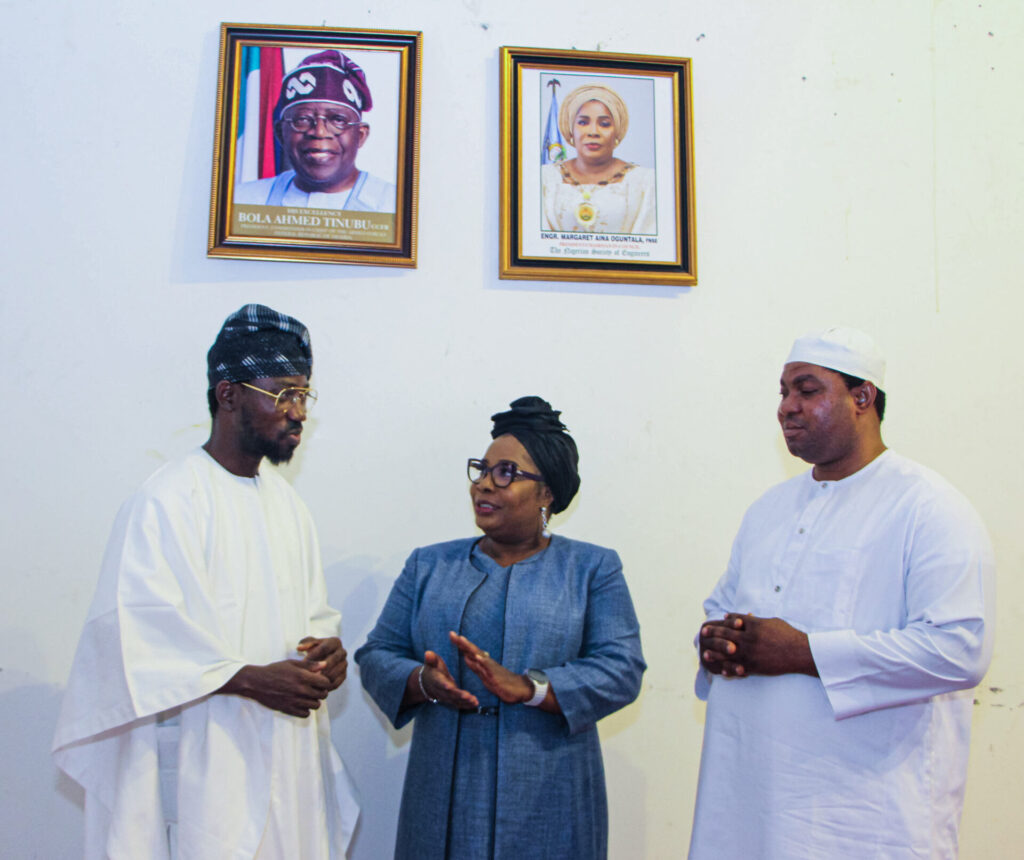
<point x="842" y="641"/>
<point x="321" y="130"/>
<point x="193" y="715"/>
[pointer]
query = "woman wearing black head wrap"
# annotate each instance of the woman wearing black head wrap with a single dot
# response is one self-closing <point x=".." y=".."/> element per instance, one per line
<point x="507" y="649"/>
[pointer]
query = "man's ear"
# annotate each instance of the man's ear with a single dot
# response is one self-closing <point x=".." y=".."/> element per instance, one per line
<point x="227" y="395"/>
<point x="864" y="396"/>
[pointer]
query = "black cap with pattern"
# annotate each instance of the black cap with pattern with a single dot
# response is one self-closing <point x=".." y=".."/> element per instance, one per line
<point x="257" y="341"/>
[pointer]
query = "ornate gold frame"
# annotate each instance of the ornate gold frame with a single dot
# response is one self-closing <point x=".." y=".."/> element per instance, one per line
<point x="378" y="239"/>
<point x="675" y="247"/>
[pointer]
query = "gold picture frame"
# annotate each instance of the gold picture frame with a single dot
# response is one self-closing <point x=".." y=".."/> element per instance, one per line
<point x="638" y="223"/>
<point x="275" y="190"/>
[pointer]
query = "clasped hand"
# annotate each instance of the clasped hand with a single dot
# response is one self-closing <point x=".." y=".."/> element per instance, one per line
<point x="294" y="687"/>
<point x="740" y="645"/>
<point x="439" y="684"/>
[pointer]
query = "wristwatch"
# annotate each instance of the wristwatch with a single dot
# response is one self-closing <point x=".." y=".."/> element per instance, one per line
<point x="540" y="686"/>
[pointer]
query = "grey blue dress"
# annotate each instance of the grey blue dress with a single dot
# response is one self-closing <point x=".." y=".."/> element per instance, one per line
<point x="520" y="782"/>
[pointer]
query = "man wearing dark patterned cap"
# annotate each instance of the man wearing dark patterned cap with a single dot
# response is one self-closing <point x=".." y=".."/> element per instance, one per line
<point x="192" y="717"/>
<point x="321" y="130"/>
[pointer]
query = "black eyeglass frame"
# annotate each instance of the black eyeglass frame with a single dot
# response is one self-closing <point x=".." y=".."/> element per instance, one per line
<point x="330" y="123"/>
<point x="486" y="470"/>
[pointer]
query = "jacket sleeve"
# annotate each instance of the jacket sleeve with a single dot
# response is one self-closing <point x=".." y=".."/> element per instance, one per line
<point x="388" y="657"/>
<point x="607" y="674"/>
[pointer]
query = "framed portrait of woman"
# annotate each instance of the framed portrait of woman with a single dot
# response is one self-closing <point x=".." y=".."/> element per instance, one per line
<point x="316" y="145"/>
<point x="596" y="168"/>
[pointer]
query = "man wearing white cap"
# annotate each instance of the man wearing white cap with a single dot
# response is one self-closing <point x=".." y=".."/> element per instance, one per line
<point x="855" y="615"/>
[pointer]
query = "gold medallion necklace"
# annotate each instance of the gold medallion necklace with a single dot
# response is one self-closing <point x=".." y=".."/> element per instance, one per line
<point x="586" y="210"/>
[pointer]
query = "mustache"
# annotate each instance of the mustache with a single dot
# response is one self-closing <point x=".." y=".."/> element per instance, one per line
<point x="292" y="427"/>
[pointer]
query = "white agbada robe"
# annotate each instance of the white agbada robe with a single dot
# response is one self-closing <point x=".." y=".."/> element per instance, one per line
<point x="891" y="574"/>
<point x="204" y="572"/>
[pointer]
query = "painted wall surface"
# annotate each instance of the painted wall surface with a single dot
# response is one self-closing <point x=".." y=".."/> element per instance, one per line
<point x="855" y="163"/>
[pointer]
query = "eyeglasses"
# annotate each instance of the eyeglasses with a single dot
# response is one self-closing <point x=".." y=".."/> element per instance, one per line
<point x="288" y="397"/>
<point x="336" y="123"/>
<point x="503" y="473"/>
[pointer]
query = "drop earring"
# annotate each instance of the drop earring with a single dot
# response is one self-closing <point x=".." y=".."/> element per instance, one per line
<point x="544" y="523"/>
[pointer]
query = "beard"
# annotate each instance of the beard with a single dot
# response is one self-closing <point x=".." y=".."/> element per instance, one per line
<point x="277" y="450"/>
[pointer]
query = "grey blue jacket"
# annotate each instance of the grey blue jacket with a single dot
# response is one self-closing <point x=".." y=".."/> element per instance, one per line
<point x="569" y="613"/>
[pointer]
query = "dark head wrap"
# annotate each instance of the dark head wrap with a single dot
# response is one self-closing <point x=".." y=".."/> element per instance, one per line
<point x="535" y="424"/>
<point x="257" y="341"/>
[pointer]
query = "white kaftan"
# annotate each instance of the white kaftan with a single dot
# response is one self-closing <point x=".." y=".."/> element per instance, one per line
<point x="891" y="574"/>
<point x="204" y="572"/>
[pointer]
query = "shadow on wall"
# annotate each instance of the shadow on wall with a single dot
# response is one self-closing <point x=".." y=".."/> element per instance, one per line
<point x="28" y="716"/>
<point x="374" y="753"/>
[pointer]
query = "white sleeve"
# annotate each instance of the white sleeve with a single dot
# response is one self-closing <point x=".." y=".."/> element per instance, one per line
<point x="720" y="601"/>
<point x="646" y="219"/>
<point x="946" y="643"/>
<point x="324" y="620"/>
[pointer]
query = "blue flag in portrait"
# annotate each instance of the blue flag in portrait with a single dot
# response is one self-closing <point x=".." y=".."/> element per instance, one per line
<point x="553" y="149"/>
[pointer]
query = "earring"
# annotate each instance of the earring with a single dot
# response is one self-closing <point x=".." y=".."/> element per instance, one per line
<point x="544" y="523"/>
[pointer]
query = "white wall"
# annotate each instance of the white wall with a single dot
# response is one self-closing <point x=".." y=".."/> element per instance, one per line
<point x="855" y="162"/>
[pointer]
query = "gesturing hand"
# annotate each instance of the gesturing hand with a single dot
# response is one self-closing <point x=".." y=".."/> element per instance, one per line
<point x="437" y="682"/>
<point x="287" y="686"/>
<point x="326" y="656"/>
<point x="507" y="686"/>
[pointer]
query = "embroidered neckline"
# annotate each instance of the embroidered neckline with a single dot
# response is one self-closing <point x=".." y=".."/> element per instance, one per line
<point x="569" y="179"/>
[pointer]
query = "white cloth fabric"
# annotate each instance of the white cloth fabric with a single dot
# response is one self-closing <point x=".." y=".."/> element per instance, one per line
<point x="891" y="574"/>
<point x="842" y="348"/>
<point x="204" y="573"/>
<point x="369" y="194"/>
<point x="627" y="206"/>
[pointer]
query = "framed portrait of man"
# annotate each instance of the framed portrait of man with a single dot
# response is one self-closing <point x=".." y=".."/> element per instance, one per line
<point x="596" y="168"/>
<point x="315" y="146"/>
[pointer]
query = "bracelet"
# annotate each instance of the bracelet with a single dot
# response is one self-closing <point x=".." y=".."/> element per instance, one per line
<point x="423" y="690"/>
